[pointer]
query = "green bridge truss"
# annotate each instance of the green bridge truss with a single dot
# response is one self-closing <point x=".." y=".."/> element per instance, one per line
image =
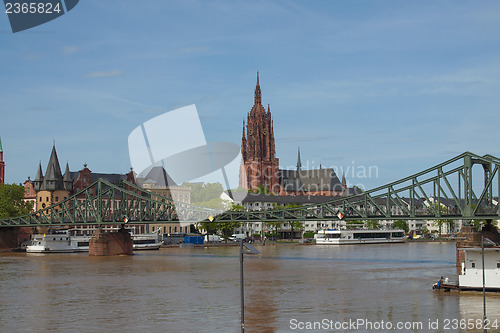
<point x="462" y="188"/>
<point x="103" y="203"/>
<point x="465" y="187"/>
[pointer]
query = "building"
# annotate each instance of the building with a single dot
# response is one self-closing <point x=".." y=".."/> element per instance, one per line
<point x="2" y="165"/>
<point x="322" y="181"/>
<point x="260" y="167"/>
<point x="54" y="186"/>
<point x="158" y="181"/>
<point x="30" y="193"/>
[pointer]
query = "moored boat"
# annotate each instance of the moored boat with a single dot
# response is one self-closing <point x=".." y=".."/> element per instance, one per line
<point x="362" y="236"/>
<point x="471" y="274"/>
<point x="59" y="241"/>
<point x="146" y="242"/>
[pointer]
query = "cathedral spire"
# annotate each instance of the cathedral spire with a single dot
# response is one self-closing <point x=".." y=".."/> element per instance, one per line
<point x="258" y="94"/>
<point x="344" y="182"/>
<point x="299" y="163"/>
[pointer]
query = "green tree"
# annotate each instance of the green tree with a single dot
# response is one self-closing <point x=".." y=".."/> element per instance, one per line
<point x="354" y="224"/>
<point x="295" y="225"/>
<point x="11" y="201"/>
<point x="439" y="223"/>
<point x="227" y="228"/>
<point x="372" y="224"/>
<point x="400" y="224"/>
<point x="309" y="234"/>
<point x="276" y="225"/>
<point x="201" y="192"/>
<point x="261" y="189"/>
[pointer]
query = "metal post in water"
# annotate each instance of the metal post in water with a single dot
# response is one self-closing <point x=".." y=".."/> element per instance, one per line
<point x="242" y="289"/>
<point x="484" y="284"/>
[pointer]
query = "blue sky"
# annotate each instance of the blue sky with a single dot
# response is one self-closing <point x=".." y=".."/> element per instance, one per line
<point x="393" y="84"/>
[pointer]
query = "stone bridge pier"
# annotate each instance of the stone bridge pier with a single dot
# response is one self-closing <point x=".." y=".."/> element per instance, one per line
<point x="12" y="237"/>
<point x="111" y="243"/>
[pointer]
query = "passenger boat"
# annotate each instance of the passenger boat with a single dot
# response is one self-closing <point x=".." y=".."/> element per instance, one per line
<point x="362" y="236"/>
<point x="72" y="240"/>
<point x="471" y="273"/>
<point x="59" y="241"/>
<point x="146" y="241"/>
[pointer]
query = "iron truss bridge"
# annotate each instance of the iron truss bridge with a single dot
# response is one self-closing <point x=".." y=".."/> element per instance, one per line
<point x="462" y="188"/>
<point x="103" y="203"/>
<point x="465" y="188"/>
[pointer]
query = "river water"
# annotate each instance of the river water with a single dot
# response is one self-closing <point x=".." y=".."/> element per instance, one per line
<point x="288" y="288"/>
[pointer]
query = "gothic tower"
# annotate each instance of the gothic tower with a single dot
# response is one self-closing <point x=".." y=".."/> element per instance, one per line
<point x="2" y="164"/>
<point x="54" y="186"/>
<point x="260" y="165"/>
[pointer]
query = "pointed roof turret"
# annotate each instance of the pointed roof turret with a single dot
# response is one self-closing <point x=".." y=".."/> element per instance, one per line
<point x="1" y="150"/>
<point x="39" y="178"/>
<point x="344" y="182"/>
<point x="258" y="94"/>
<point x="39" y="174"/>
<point x="299" y="163"/>
<point x="68" y="182"/>
<point x="53" y="177"/>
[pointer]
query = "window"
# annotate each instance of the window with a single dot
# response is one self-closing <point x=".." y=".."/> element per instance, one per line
<point x="473" y="265"/>
<point x="498" y="264"/>
<point x="47" y="199"/>
<point x="57" y="199"/>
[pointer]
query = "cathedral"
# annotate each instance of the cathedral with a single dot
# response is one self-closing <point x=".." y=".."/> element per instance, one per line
<point x="260" y="167"/>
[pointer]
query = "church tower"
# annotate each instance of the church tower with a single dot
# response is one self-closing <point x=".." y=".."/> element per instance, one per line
<point x="260" y="165"/>
<point x="2" y="164"/>
<point x="54" y="186"/>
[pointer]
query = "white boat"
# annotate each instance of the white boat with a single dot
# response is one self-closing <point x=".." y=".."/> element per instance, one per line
<point x="362" y="236"/>
<point x="471" y="274"/>
<point x="146" y="241"/>
<point x="60" y="241"/>
<point x="67" y="241"/>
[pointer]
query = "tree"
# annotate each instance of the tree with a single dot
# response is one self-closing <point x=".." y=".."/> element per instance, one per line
<point x="11" y="201"/>
<point x="400" y="224"/>
<point x="309" y="234"/>
<point x="441" y="222"/>
<point x="227" y="228"/>
<point x="295" y="225"/>
<point x="372" y="224"/>
<point x="275" y="225"/>
<point x="261" y="189"/>
<point x="354" y="223"/>
<point x="201" y="193"/>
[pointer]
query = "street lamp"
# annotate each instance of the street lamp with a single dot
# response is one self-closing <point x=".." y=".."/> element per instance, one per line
<point x="245" y="248"/>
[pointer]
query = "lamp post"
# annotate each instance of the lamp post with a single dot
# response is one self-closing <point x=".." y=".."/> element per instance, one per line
<point x="248" y="249"/>
<point x="484" y="283"/>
